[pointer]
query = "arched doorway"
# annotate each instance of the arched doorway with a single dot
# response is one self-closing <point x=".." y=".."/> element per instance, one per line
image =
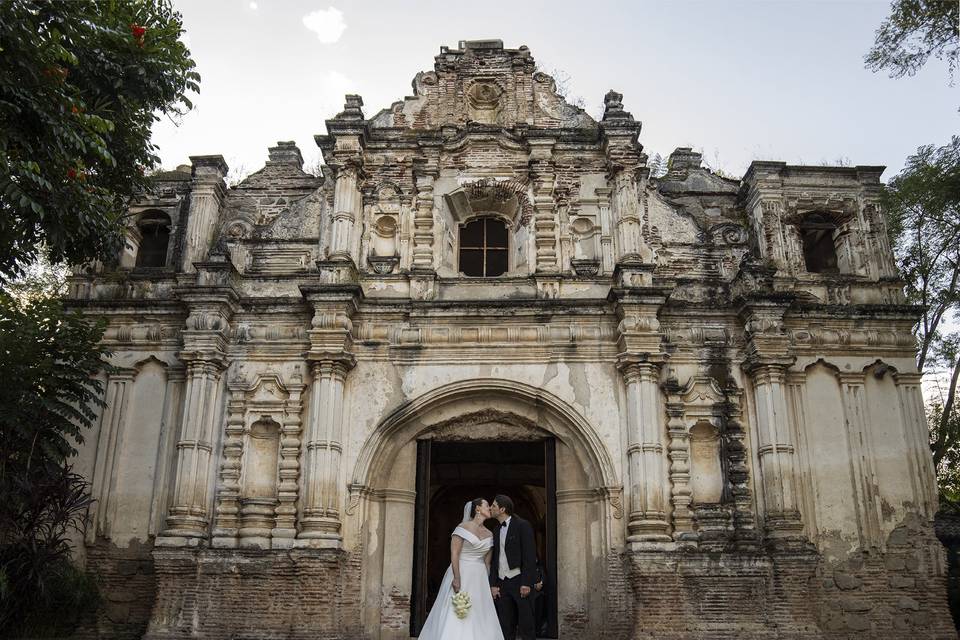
<point x="382" y="513"/>
<point x="451" y="473"/>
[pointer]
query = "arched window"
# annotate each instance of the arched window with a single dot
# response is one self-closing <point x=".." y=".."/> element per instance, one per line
<point x="483" y="248"/>
<point x="819" y="251"/>
<point x="154" y="229"/>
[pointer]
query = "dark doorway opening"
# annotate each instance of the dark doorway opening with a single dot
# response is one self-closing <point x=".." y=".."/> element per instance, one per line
<point x="449" y="474"/>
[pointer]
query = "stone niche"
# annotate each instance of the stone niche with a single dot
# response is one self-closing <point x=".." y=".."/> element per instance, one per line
<point x="256" y="504"/>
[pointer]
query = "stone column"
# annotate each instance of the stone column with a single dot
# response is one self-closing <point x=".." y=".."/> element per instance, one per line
<point x="331" y="359"/>
<point x="204" y="356"/>
<point x="206" y="197"/>
<point x="117" y="390"/>
<point x="776" y="451"/>
<point x="347" y="202"/>
<point x="768" y="358"/>
<point x="324" y="446"/>
<point x="189" y="517"/>
<point x="647" y="513"/>
<point x="543" y="178"/>
<point x="645" y="454"/>
<point x="641" y="357"/>
<point x="869" y="510"/>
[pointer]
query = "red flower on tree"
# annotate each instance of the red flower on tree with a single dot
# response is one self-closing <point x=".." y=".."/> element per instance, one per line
<point x="71" y="173"/>
<point x="138" y="33"/>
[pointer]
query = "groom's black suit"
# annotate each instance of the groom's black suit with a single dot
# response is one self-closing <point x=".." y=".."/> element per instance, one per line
<point x="521" y="552"/>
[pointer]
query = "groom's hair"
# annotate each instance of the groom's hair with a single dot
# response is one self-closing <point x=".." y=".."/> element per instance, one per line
<point x="505" y="503"/>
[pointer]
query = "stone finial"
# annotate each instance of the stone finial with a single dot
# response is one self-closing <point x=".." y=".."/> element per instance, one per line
<point x="613" y="107"/>
<point x="286" y="153"/>
<point x="351" y="108"/>
<point x="681" y="161"/>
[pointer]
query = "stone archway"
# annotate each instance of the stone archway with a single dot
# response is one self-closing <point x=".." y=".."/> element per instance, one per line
<point x="380" y="516"/>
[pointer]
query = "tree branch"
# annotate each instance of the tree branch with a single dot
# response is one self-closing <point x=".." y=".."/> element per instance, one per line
<point x="944" y="439"/>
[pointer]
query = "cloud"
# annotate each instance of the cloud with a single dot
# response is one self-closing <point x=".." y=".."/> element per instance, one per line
<point x="253" y="5"/>
<point x="327" y="24"/>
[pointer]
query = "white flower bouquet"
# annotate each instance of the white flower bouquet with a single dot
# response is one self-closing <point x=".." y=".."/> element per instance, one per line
<point x="461" y="604"/>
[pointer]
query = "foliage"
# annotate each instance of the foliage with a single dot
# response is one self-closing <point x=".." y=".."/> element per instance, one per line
<point x="81" y="84"/>
<point x="915" y="31"/>
<point x="922" y="204"/>
<point x="41" y="591"/>
<point x="50" y="358"/>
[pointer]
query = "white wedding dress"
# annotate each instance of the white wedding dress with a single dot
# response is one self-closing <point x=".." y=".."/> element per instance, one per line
<point x="481" y="622"/>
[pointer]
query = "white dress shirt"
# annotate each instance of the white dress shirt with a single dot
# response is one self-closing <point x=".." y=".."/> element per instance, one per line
<point x="504" y="569"/>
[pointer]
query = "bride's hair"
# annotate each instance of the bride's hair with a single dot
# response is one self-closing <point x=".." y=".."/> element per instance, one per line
<point x="473" y="506"/>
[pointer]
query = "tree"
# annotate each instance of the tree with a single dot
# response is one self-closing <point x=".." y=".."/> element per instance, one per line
<point x="50" y="358"/>
<point x="915" y="31"/>
<point x="81" y="84"/>
<point x="922" y="205"/>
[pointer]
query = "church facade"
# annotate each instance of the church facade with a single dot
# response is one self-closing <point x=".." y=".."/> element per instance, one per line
<point x="701" y="391"/>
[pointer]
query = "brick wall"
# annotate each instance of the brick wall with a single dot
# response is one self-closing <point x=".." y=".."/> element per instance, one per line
<point x="236" y="595"/>
<point x="900" y="593"/>
<point x="289" y="595"/>
<point x="127" y="584"/>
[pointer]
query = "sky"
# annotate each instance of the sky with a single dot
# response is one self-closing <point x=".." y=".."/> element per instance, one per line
<point x="738" y="80"/>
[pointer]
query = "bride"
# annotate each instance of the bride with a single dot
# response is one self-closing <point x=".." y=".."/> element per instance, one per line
<point x="469" y="570"/>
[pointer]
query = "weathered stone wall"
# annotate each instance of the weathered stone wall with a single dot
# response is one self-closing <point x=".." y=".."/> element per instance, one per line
<point x="256" y="594"/>
<point x="741" y="447"/>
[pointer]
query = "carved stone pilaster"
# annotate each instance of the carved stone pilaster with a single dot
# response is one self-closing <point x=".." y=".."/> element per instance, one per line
<point x="860" y="447"/>
<point x="205" y="338"/>
<point x="768" y="349"/>
<point x="285" y="528"/>
<point x="647" y="499"/>
<point x="913" y="415"/>
<point x="627" y="217"/>
<point x="626" y="169"/>
<point x="227" y="521"/>
<point x="424" y="174"/>
<point x="738" y="472"/>
<point x="188" y="519"/>
<point x="206" y="198"/>
<point x="116" y="396"/>
<point x="331" y="359"/>
<point x="678" y="451"/>
<point x="543" y="179"/>
<point x="347" y="203"/>
<point x="776" y="449"/>
<point x="641" y="357"/>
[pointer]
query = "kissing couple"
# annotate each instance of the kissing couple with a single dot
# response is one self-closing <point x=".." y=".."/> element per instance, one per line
<point x="496" y="572"/>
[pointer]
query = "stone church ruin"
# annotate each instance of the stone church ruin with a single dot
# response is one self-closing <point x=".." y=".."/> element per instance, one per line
<point x="700" y="390"/>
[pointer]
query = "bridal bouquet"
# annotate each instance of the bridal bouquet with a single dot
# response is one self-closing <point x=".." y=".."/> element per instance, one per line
<point x="461" y="604"/>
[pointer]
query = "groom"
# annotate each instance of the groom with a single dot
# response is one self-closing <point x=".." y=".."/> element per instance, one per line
<point x="513" y="570"/>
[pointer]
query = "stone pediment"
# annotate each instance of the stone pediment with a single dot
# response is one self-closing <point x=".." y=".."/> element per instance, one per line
<point x="482" y="82"/>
